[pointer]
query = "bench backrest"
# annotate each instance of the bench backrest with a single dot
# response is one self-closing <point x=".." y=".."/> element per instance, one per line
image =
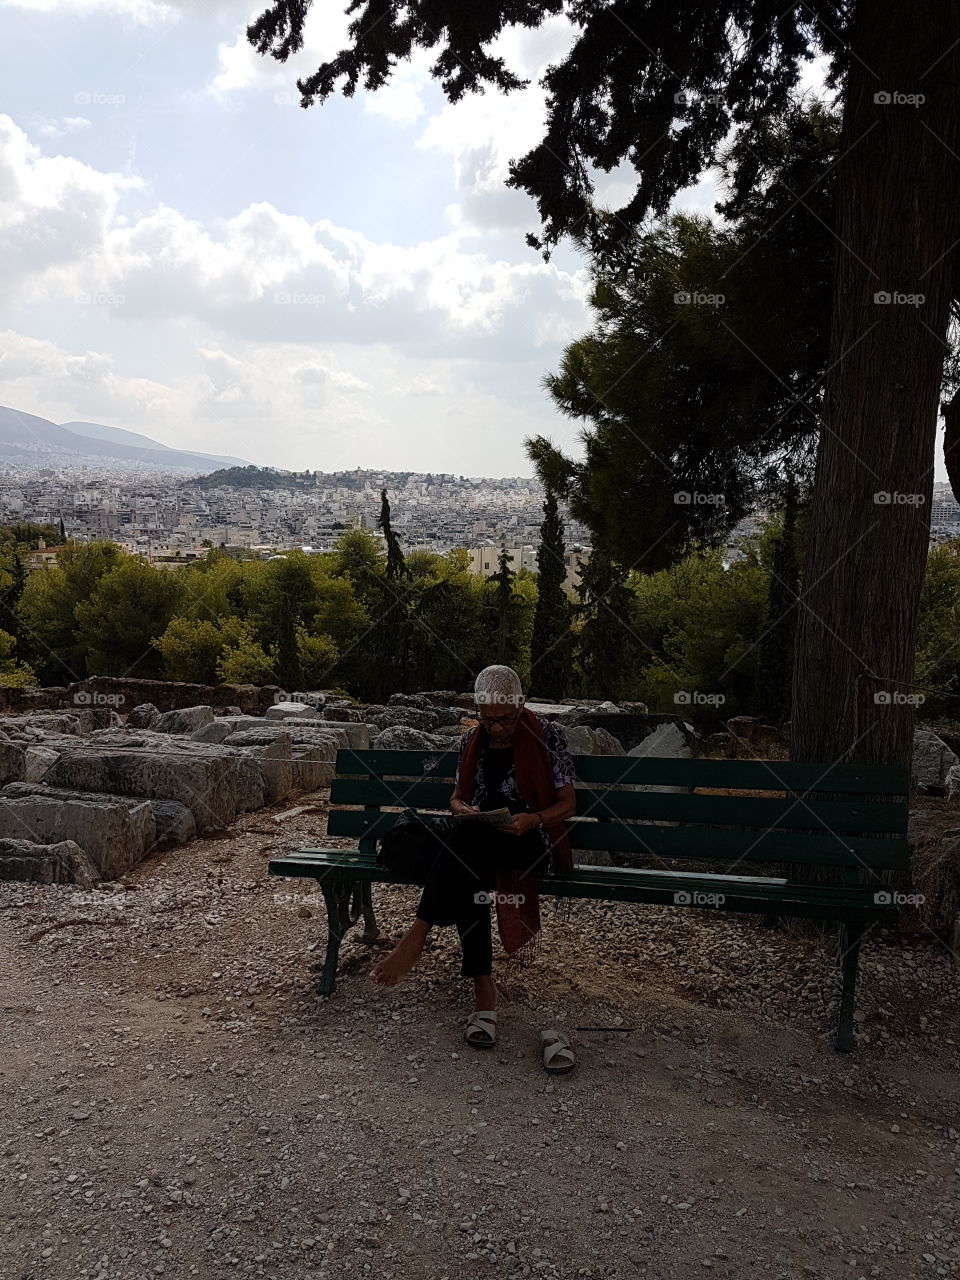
<point x="839" y="815"/>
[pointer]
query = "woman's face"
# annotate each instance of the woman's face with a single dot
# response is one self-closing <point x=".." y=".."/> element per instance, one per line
<point x="499" y="720"/>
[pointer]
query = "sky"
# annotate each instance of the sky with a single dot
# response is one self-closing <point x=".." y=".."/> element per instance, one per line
<point x="188" y="253"/>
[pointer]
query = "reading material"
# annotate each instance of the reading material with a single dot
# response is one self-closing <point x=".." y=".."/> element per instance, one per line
<point x="496" y="817"/>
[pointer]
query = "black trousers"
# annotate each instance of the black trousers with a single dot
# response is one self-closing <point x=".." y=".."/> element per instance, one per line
<point x="461" y="879"/>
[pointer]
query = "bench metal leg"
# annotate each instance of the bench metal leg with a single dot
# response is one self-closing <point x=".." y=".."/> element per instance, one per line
<point x="344" y="904"/>
<point x="850" y="936"/>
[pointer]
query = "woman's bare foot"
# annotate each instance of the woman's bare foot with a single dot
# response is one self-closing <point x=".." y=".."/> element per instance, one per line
<point x="388" y="971"/>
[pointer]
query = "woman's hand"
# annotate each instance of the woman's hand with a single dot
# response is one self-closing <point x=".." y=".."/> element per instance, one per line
<point x="458" y="808"/>
<point x="520" y="824"/>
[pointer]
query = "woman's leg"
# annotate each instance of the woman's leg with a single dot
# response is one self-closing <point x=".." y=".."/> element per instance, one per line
<point x="450" y="888"/>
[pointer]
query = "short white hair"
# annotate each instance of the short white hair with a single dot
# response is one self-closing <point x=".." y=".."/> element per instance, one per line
<point x="498" y="684"/>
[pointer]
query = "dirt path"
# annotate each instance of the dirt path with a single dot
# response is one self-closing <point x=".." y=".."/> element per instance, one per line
<point x="179" y="1103"/>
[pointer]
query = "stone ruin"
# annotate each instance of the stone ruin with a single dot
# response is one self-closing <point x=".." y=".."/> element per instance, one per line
<point x="87" y="791"/>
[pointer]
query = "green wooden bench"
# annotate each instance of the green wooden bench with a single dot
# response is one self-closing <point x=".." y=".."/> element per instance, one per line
<point x="848" y="817"/>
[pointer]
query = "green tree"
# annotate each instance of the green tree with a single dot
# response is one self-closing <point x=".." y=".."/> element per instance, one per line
<point x="118" y="624"/>
<point x="665" y="102"/>
<point x="52" y="637"/>
<point x="774" y="662"/>
<point x="14" y="673"/>
<point x="550" y="652"/>
<point x="245" y="661"/>
<point x="937" y="677"/>
<point x="608" y="652"/>
<point x="192" y="647"/>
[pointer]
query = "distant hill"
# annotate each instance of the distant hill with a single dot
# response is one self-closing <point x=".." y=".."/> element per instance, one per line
<point x="250" y="477"/>
<point x="31" y="441"/>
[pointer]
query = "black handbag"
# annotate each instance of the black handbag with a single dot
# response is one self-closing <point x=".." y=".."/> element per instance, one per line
<point x="412" y="843"/>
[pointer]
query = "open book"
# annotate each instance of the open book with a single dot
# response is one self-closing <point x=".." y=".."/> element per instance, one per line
<point x="496" y="817"/>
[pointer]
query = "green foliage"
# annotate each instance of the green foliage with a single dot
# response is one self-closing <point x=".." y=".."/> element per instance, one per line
<point x="701" y="624"/>
<point x="52" y="639"/>
<point x="13" y="674"/>
<point x="117" y="624"/>
<point x="246" y="478"/>
<point x="938" y="634"/>
<point x="695" y="409"/>
<point x="245" y="661"/>
<point x="192" y="647"/>
<point x="550" y="646"/>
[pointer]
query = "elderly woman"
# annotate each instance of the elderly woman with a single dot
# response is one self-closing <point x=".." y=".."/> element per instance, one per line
<point x="512" y="759"/>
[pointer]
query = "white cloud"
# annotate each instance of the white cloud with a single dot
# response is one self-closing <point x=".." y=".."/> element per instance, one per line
<point x="56" y="126"/>
<point x="148" y="13"/>
<point x="265" y="334"/>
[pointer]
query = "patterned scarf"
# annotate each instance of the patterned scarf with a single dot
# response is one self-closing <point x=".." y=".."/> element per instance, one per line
<point x="518" y="921"/>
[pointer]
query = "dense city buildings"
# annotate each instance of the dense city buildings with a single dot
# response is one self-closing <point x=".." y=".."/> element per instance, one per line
<point x="170" y="519"/>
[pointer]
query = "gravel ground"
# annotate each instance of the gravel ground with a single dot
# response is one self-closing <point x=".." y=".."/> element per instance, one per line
<point x="180" y="1103"/>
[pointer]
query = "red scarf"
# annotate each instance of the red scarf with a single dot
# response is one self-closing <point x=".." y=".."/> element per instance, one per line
<point x="519" y="921"/>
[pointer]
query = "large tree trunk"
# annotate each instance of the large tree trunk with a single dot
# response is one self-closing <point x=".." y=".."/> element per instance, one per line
<point x="898" y="215"/>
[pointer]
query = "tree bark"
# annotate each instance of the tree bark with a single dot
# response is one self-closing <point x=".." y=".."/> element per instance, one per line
<point x="898" y="215"/>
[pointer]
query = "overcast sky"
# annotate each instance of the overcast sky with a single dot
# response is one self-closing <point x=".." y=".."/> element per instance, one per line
<point x="188" y="253"/>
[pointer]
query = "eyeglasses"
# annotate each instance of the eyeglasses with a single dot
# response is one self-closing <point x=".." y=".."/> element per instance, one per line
<point x="497" y="719"/>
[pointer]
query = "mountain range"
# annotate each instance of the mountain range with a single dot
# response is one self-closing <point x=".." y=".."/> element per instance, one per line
<point x="30" y="441"/>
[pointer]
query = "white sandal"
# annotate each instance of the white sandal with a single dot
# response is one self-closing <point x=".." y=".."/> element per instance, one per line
<point x="481" y="1029"/>
<point x="558" y="1055"/>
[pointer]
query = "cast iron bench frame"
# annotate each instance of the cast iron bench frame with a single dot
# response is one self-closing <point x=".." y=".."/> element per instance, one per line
<point x="849" y="817"/>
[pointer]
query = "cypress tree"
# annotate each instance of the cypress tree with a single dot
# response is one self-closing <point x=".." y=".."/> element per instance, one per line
<point x="550" y="644"/>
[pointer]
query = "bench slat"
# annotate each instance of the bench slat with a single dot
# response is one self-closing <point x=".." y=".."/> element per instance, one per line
<point x="647" y="842"/>
<point x="746" y="775"/>
<point x="741" y="811"/>
<point x="619" y="885"/>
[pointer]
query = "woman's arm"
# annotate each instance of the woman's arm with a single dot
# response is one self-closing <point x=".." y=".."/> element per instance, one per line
<point x="457" y="804"/>
<point x="565" y="806"/>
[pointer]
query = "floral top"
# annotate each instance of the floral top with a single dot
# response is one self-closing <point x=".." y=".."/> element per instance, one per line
<point x="561" y="765"/>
